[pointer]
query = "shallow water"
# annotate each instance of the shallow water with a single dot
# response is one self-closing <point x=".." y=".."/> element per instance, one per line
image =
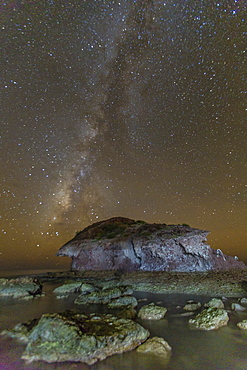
<point x="222" y="349"/>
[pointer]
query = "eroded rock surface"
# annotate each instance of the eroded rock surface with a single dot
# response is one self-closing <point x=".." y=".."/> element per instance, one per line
<point x="215" y="303"/>
<point x="124" y="244"/>
<point x="104" y="296"/>
<point x="210" y="319"/>
<point x="242" y="325"/>
<point x="69" y="336"/>
<point x="152" y="312"/>
<point x="156" y="346"/>
<point x="24" y="287"/>
<point x="75" y="287"/>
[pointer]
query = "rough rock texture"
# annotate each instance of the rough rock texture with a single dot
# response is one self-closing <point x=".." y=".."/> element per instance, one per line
<point x="215" y="303"/>
<point x="104" y="296"/>
<point x="156" y="346"/>
<point x="77" y="287"/>
<point x="24" y="287"/>
<point x="124" y="244"/>
<point x="78" y="337"/>
<point x="242" y="325"/>
<point x="152" y="312"/>
<point x="123" y="301"/>
<point x="210" y="319"/>
<point x="192" y="306"/>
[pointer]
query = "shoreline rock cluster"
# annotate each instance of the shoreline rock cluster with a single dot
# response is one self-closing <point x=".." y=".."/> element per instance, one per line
<point x="88" y="338"/>
<point x="25" y="287"/>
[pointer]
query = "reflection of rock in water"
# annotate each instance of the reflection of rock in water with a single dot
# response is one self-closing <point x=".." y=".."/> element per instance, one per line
<point x="123" y="244"/>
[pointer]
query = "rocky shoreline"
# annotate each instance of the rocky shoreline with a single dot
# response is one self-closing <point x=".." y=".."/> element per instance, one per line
<point x="232" y="283"/>
<point x="79" y="336"/>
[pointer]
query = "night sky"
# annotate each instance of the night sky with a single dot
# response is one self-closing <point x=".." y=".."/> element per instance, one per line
<point x="121" y="108"/>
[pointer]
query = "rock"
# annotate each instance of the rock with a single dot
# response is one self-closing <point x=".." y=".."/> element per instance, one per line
<point x="70" y="336"/>
<point x="156" y="346"/>
<point x="210" y="319"/>
<point x="127" y="312"/>
<point x="124" y="244"/>
<point x="237" y="307"/>
<point x="242" y="324"/>
<point x="243" y="300"/>
<point x="215" y="303"/>
<point x="152" y="312"/>
<point x="192" y="306"/>
<point x="123" y="301"/>
<point x="104" y="295"/>
<point x="24" y="287"/>
<point x="76" y="287"/>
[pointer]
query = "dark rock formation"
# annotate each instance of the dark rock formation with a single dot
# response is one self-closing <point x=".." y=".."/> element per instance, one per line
<point x="124" y="244"/>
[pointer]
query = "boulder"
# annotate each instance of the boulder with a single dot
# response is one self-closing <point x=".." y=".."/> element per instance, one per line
<point x="243" y="300"/>
<point x="237" y="307"/>
<point x="210" y="319"/>
<point x="192" y="306"/>
<point x="24" y="287"/>
<point x="152" y="312"/>
<point x="156" y="346"/>
<point x="242" y="325"/>
<point x="122" y="301"/>
<point x="215" y="303"/>
<point x="68" y="336"/>
<point x="124" y="244"/>
<point x="76" y="287"/>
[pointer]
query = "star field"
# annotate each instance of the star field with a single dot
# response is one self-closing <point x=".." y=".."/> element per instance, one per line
<point x="121" y="108"/>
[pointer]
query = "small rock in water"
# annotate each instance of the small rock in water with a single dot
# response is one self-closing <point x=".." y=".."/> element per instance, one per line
<point x="242" y="324"/>
<point x="215" y="303"/>
<point x="237" y="307"/>
<point x="122" y="301"/>
<point x="156" y="346"/>
<point x="210" y="319"/>
<point x="76" y="287"/>
<point x="152" y="312"/>
<point x="243" y="300"/>
<point x="192" y="306"/>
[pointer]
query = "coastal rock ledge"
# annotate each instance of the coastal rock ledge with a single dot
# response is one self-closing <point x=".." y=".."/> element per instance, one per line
<point x="123" y="244"/>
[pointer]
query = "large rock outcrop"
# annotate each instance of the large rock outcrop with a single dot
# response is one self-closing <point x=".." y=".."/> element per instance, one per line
<point x="124" y="244"/>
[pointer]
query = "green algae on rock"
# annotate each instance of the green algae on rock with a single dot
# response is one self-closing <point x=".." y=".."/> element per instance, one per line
<point x="69" y="336"/>
<point x="210" y="319"/>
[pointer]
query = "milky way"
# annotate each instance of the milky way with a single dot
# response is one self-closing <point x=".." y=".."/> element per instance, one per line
<point x="121" y="108"/>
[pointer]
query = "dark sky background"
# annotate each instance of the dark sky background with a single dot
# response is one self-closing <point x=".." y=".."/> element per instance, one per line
<point x="121" y="108"/>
